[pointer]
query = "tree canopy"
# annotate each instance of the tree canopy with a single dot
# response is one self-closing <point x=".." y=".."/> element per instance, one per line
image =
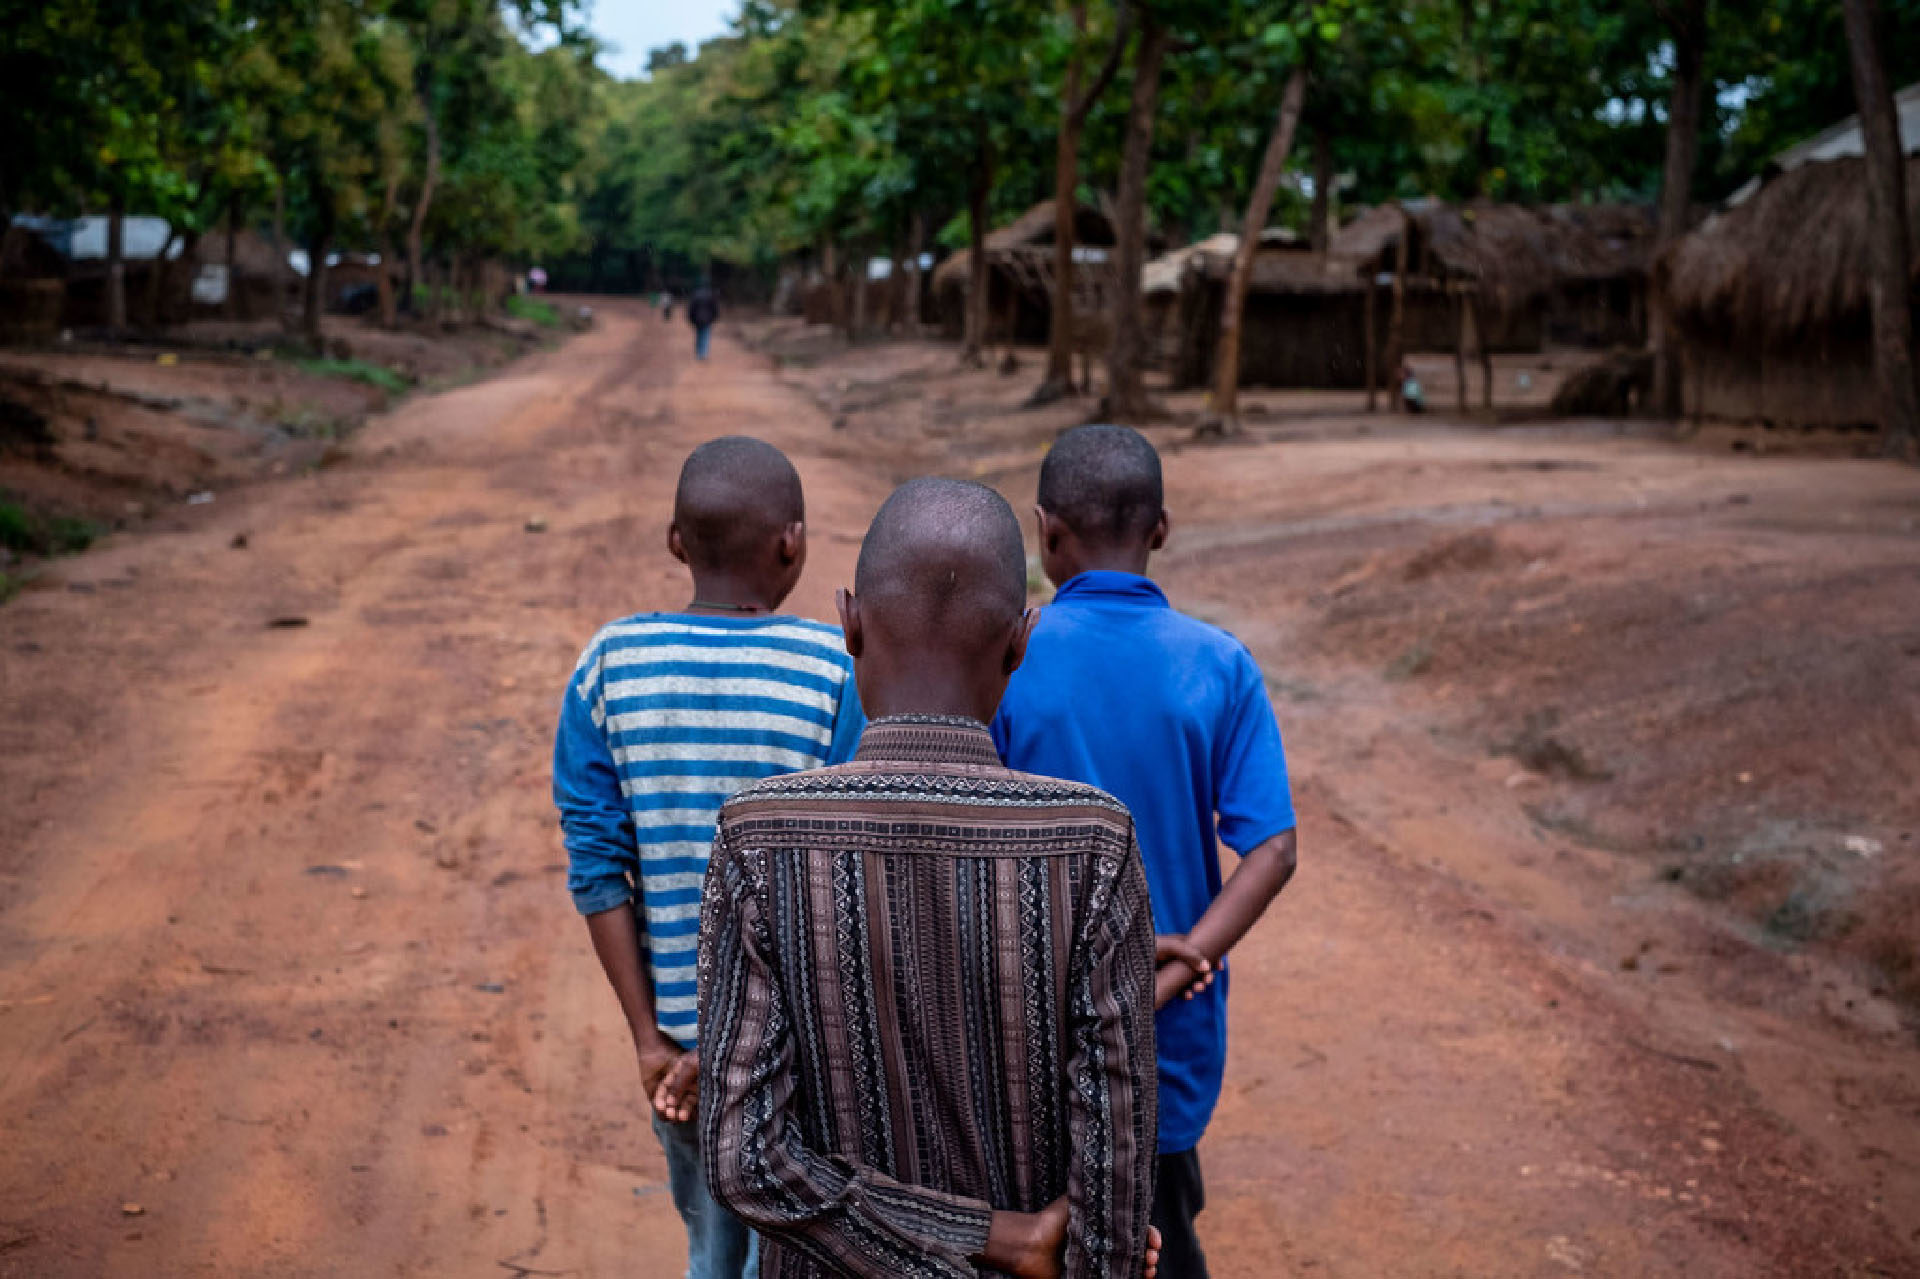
<point x="841" y="122"/>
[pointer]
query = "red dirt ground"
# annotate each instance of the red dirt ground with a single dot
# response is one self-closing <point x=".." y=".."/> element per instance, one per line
<point x="289" y="984"/>
<point x="128" y="431"/>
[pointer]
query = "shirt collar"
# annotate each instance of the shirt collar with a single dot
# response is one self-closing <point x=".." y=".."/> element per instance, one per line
<point x="928" y="739"/>
<point x="1108" y="585"/>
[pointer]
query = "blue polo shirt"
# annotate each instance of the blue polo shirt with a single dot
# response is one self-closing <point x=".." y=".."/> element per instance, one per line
<point x="1169" y="715"/>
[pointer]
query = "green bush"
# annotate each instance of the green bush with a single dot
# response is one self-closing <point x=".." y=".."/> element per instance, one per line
<point x="25" y="533"/>
<point x="357" y="370"/>
<point x="544" y="314"/>
<point x="16" y="527"/>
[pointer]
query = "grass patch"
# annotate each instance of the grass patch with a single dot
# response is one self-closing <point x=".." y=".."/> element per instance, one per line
<point x="357" y="371"/>
<point x="26" y="533"/>
<point x="544" y="314"/>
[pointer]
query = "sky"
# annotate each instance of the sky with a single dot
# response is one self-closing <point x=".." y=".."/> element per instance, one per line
<point x="639" y="25"/>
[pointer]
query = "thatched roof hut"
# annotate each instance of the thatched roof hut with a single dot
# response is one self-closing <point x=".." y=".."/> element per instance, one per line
<point x="1304" y="324"/>
<point x="1020" y="273"/>
<point x="1772" y="299"/>
<point x="1575" y="271"/>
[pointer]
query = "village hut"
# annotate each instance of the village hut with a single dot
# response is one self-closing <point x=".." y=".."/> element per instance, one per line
<point x="1020" y="275"/>
<point x="73" y="251"/>
<point x="253" y="277"/>
<point x="1573" y="273"/>
<point x="1771" y="297"/>
<point x="1304" y="323"/>
<point x="1602" y="259"/>
<point x="1164" y="279"/>
<point x="1772" y="300"/>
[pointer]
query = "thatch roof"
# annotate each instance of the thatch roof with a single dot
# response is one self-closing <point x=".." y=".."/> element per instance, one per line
<point x="1289" y="273"/>
<point x="1793" y="259"/>
<point x="1163" y="274"/>
<point x="1513" y="253"/>
<point x="1369" y="235"/>
<point x="1031" y="229"/>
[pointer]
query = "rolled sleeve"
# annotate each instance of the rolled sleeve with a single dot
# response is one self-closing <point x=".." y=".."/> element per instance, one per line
<point x="602" y="854"/>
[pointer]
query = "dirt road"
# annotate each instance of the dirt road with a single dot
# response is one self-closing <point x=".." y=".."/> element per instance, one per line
<point x="289" y="983"/>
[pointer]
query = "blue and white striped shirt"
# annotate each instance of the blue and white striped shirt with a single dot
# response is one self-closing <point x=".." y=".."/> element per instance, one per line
<point x="666" y="716"/>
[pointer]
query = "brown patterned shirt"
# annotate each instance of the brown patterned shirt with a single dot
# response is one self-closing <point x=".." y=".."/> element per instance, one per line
<point x="926" y="992"/>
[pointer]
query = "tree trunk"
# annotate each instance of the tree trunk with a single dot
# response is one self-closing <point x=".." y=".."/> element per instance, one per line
<point x="389" y="305"/>
<point x="1689" y="28"/>
<point x="1486" y="351"/>
<point x="1126" y="388"/>
<point x="978" y="278"/>
<point x="1372" y="342"/>
<point x="416" y="273"/>
<point x="857" y="323"/>
<point x="897" y="281"/>
<point x="1888" y="245"/>
<point x="830" y="275"/>
<point x="917" y="296"/>
<point x="1066" y="181"/>
<point x="230" y="305"/>
<point x="117" y="265"/>
<point x="157" y="280"/>
<point x="1396" y="318"/>
<point x="322" y="201"/>
<point x="1460" y="350"/>
<point x="1319" y="225"/>
<point x="1226" y="364"/>
<point x="315" y="292"/>
<point x="280" y="250"/>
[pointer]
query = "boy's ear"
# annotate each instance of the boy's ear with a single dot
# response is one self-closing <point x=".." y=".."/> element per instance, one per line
<point x="793" y="542"/>
<point x="675" y="547"/>
<point x="1158" y="538"/>
<point x="1017" y="641"/>
<point x="1048" y="527"/>
<point x="849" y="609"/>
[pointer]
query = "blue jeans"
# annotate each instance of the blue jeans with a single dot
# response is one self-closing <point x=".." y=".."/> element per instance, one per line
<point x="718" y="1245"/>
<point x="700" y="334"/>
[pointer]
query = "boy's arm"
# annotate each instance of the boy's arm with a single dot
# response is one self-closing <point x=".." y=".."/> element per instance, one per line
<point x="1112" y="1085"/>
<point x="849" y="1220"/>
<point x="1255" y="806"/>
<point x="616" y="940"/>
<point x="1255" y="882"/>
<point x="602" y="858"/>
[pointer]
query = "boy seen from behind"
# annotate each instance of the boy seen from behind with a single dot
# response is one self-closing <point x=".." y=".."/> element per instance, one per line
<point x="665" y="717"/>
<point x="1169" y="715"/>
<point x="926" y="981"/>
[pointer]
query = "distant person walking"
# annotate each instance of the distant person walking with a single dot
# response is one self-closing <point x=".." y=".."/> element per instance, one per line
<point x="702" y="310"/>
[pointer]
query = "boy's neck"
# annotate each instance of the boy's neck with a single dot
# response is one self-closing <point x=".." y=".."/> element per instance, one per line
<point x="1110" y="559"/>
<point x="733" y="597"/>
<point x="930" y="689"/>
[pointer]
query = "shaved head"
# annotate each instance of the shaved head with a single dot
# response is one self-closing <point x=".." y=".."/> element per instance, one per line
<point x="736" y="496"/>
<point x="943" y="566"/>
<point x="1103" y="482"/>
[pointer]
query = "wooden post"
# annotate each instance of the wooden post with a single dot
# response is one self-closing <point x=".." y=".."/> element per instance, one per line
<point x="1486" y="350"/>
<point x="1459" y="347"/>
<point x="1373" y="355"/>
<point x="1396" y="321"/>
<point x="230" y="305"/>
